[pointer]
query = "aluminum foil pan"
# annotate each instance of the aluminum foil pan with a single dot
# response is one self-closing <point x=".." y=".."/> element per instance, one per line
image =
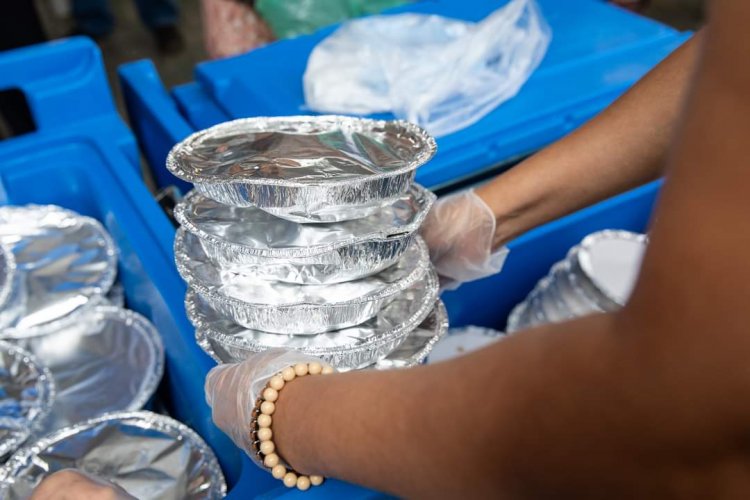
<point x="289" y="308"/>
<point x="420" y="341"/>
<point x="26" y="395"/>
<point x="460" y="341"/>
<point x="65" y="260"/>
<point x="11" y="288"/>
<point x="304" y="168"/>
<point x="111" y="359"/>
<point x="150" y="456"/>
<point x="597" y="275"/>
<point x="350" y="348"/>
<point x="280" y="250"/>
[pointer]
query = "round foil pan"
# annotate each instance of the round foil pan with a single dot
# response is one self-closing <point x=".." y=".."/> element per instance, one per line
<point x="596" y="276"/>
<point x="11" y="288"/>
<point x="65" y="260"/>
<point x="279" y="250"/>
<point x="350" y="348"/>
<point x="420" y="341"/>
<point x="26" y="395"/>
<point x="460" y="341"/>
<point x="304" y="168"/>
<point x="287" y="308"/>
<point x="111" y="359"/>
<point x="150" y="456"/>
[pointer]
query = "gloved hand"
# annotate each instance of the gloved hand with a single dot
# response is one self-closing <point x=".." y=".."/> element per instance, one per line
<point x="459" y="231"/>
<point x="232" y="389"/>
<point x="69" y="484"/>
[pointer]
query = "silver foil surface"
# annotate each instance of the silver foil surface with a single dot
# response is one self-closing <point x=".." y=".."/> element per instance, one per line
<point x="274" y="249"/>
<point x="110" y="359"/>
<point x="11" y="288"/>
<point x="597" y="275"/>
<point x="460" y="341"/>
<point x="287" y="308"/>
<point x="304" y="168"/>
<point x="65" y="260"/>
<point x="350" y="348"/>
<point x="151" y="456"/>
<point x="419" y="343"/>
<point x="26" y="395"/>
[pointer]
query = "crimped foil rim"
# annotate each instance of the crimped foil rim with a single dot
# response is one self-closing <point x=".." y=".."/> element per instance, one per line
<point x="203" y="330"/>
<point x="591" y="240"/>
<point x="375" y="237"/>
<point x="6" y="285"/>
<point x="149" y="420"/>
<point x="98" y="290"/>
<point x="150" y="334"/>
<point x="174" y="166"/>
<point x="417" y="273"/>
<point x="441" y="329"/>
<point x="47" y="395"/>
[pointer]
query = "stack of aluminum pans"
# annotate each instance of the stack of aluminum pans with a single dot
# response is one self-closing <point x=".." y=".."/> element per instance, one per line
<point x="597" y="275"/>
<point x="302" y="233"/>
<point x="68" y="354"/>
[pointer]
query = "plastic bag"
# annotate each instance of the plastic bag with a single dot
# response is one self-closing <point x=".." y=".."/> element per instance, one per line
<point x="443" y="74"/>
<point x="289" y="18"/>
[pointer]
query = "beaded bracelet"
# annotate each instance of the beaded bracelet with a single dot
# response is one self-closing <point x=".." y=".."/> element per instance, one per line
<point x="260" y="425"/>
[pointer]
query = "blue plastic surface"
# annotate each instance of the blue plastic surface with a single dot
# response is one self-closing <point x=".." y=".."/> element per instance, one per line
<point x="65" y="85"/>
<point x="597" y="52"/>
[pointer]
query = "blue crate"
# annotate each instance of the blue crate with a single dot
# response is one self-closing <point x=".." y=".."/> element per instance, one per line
<point x="65" y="85"/>
<point x="597" y="52"/>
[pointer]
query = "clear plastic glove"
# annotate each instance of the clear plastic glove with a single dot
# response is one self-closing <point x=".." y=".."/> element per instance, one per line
<point x="70" y="484"/>
<point x="232" y="389"/>
<point x="460" y="230"/>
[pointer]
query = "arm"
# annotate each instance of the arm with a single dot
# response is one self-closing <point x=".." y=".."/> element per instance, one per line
<point x="649" y="402"/>
<point x="623" y="147"/>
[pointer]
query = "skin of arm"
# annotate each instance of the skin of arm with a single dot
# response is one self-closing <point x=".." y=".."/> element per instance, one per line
<point x="623" y="147"/>
<point x="649" y="402"/>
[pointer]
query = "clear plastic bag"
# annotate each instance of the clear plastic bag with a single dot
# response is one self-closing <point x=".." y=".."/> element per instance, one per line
<point x="441" y="73"/>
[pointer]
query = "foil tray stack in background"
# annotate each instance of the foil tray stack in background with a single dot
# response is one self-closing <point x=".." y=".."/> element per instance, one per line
<point x="302" y="233"/>
<point x="596" y="276"/>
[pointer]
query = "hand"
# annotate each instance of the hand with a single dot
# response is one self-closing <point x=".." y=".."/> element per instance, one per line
<point x="71" y="484"/>
<point x="460" y="230"/>
<point x="232" y="389"/>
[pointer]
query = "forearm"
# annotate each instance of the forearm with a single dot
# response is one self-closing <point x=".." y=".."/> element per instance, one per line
<point x="623" y="147"/>
<point x="578" y="407"/>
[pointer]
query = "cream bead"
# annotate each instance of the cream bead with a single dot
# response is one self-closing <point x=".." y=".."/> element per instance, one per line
<point x="316" y="480"/>
<point x="300" y="369"/>
<point x="278" y="472"/>
<point x="271" y="460"/>
<point x="290" y="480"/>
<point x="267" y="447"/>
<point x="265" y="434"/>
<point x="264" y="420"/>
<point x="276" y="382"/>
<point x="270" y="394"/>
<point x="288" y="374"/>
<point x="327" y="369"/>
<point x="314" y="368"/>
<point x="267" y="408"/>
<point x="303" y="483"/>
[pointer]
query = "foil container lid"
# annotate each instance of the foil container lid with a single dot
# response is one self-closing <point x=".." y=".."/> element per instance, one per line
<point x="460" y="341"/>
<point x="66" y="260"/>
<point x="150" y="456"/>
<point x="611" y="261"/>
<point x="12" y="293"/>
<point x="354" y="347"/>
<point x="419" y="343"/>
<point x="253" y="232"/>
<point x="304" y="168"/>
<point x="27" y="391"/>
<point x="110" y="359"/>
<point x="300" y="150"/>
<point x="290" y="308"/>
